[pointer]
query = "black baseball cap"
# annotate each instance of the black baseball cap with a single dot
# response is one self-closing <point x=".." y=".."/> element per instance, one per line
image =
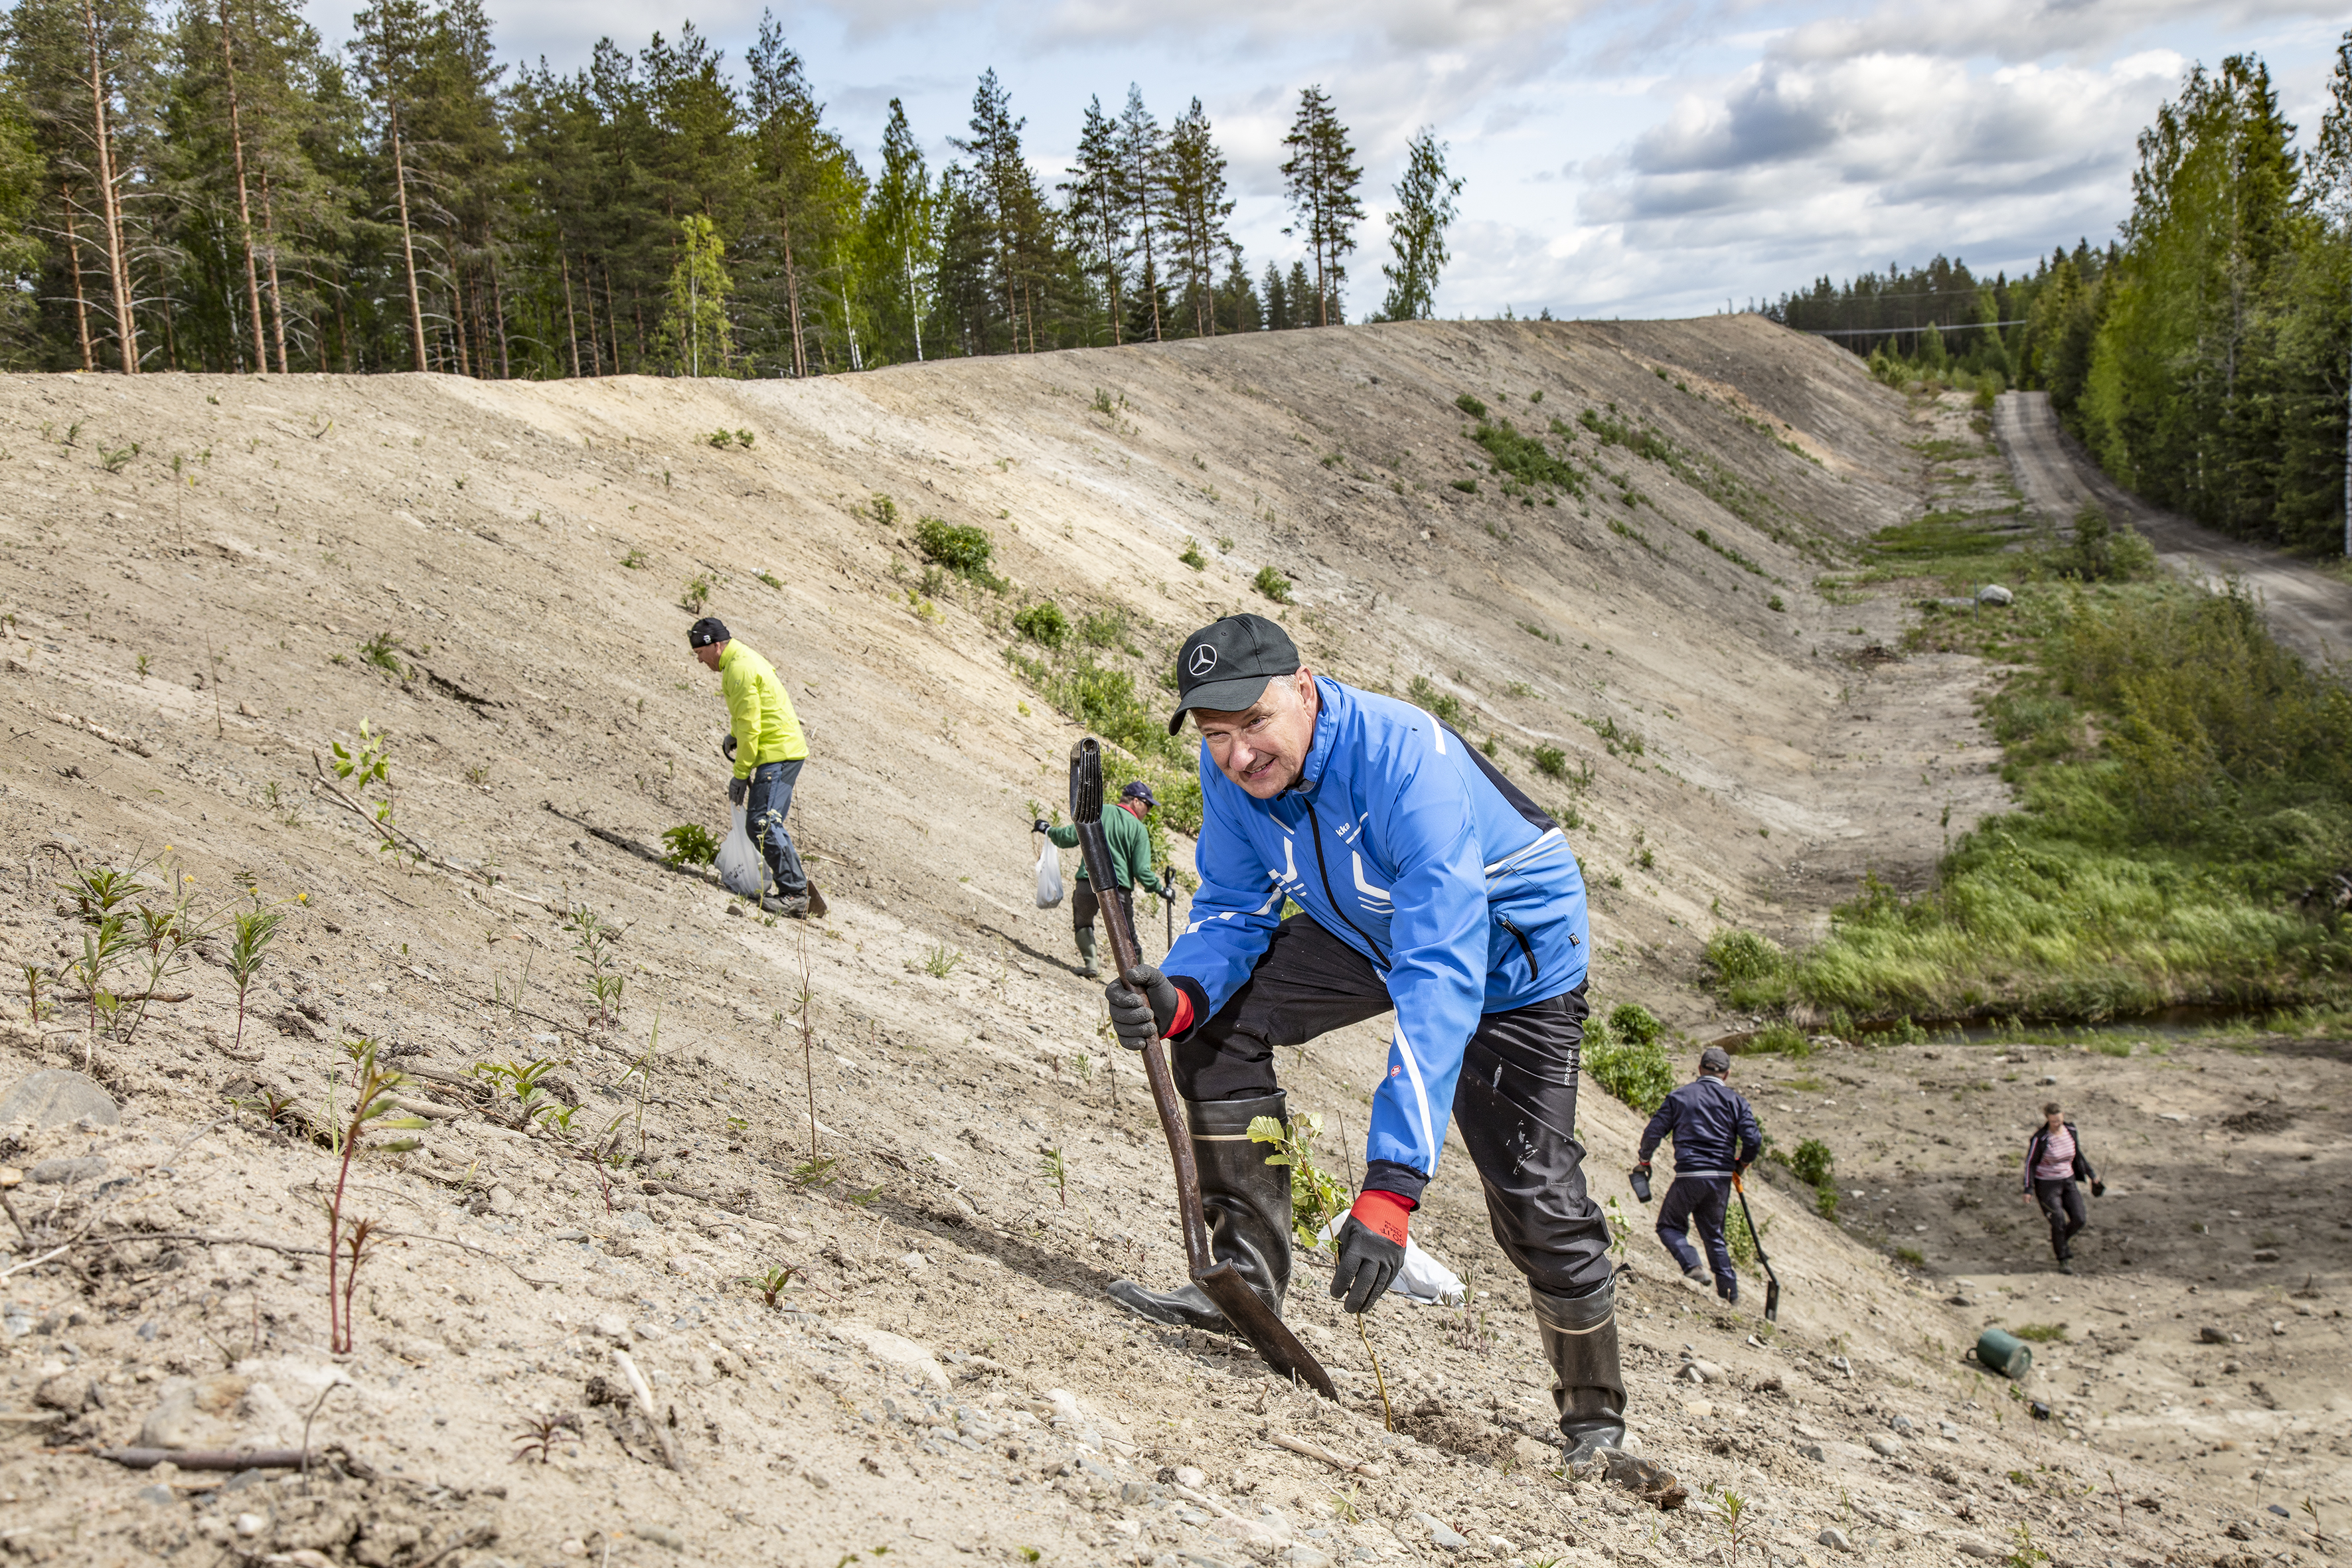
<point x="1138" y="790"/>
<point x="1225" y="667"/>
<point x="706" y="631"/>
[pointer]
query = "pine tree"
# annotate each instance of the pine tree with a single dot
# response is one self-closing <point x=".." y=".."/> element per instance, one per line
<point x="389" y="55"/>
<point x="1199" y="208"/>
<point x="1010" y="206"/>
<point x="1277" y="299"/>
<point x="1425" y="210"/>
<point x="1142" y="149"/>
<point x="1307" y="308"/>
<point x="1320" y="178"/>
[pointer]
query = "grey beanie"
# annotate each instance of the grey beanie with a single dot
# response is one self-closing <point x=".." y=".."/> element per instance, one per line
<point x="1715" y="1058"/>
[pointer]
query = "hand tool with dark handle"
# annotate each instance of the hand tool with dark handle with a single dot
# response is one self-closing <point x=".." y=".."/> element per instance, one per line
<point x="1220" y="1282"/>
<point x="1771" y="1282"/>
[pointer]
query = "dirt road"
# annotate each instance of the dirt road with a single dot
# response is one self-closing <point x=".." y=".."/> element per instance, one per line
<point x="2311" y="614"/>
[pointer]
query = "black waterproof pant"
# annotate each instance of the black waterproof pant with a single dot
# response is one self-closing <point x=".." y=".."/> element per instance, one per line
<point x="2062" y="1205"/>
<point x="1515" y="1104"/>
<point x="1085" y="905"/>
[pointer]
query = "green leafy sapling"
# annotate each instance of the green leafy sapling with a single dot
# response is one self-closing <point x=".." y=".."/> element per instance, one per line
<point x="1317" y="1199"/>
<point x="251" y="932"/>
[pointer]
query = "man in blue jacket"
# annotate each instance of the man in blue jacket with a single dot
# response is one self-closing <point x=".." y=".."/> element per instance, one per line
<point x="1716" y="1138"/>
<point x="1429" y="886"/>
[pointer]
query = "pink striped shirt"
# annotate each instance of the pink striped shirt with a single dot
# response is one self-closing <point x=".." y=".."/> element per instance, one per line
<point x="2057" y="1162"/>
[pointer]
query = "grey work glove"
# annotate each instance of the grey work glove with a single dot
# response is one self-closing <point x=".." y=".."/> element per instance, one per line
<point x="1367" y="1264"/>
<point x="1142" y="1005"/>
<point x="737" y="790"/>
<point x="1041" y="826"/>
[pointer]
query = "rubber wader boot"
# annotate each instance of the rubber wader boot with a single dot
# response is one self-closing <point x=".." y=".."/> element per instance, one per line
<point x="1580" y="1340"/>
<point x="1247" y="1204"/>
<point x="1087" y="951"/>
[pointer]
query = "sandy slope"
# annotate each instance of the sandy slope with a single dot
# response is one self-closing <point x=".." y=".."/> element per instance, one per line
<point x="484" y="529"/>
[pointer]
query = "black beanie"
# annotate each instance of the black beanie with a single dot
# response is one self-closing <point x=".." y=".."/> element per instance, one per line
<point x="706" y="631"/>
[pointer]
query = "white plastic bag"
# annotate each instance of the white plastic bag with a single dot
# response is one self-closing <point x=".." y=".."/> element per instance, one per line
<point x="741" y="869"/>
<point x="1049" y="876"/>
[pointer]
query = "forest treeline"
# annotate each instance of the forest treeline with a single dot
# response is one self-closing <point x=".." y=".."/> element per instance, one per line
<point x="2204" y="356"/>
<point x="218" y="189"/>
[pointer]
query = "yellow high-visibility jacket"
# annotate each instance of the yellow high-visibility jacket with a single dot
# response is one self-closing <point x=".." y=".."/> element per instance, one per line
<point x="766" y="728"/>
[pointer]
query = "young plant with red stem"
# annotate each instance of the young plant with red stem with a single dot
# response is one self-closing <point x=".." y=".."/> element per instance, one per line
<point x="372" y="1104"/>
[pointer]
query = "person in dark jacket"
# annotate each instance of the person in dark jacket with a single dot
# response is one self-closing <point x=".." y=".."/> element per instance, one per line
<point x="2055" y="1163"/>
<point x="1716" y="1138"/>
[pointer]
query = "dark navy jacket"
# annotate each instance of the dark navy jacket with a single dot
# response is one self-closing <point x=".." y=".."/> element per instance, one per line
<point x="1706" y="1117"/>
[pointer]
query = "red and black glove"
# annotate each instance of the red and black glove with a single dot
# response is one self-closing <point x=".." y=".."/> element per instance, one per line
<point x="1371" y="1249"/>
<point x="1146" y="1006"/>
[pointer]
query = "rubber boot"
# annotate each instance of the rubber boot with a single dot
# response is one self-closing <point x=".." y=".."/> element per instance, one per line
<point x="1580" y="1340"/>
<point x="1087" y="952"/>
<point x="1247" y="1204"/>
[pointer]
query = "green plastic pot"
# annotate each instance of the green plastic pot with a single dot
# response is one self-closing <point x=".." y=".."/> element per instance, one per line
<point x="2002" y="1352"/>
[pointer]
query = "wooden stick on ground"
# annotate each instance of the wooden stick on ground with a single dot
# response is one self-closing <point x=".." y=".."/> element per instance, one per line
<point x="1317" y="1451"/>
<point x="644" y="1398"/>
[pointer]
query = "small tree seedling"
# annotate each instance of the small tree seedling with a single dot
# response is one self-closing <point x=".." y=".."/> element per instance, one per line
<point x="372" y="1110"/>
<point x="539" y="1433"/>
<point x="1052" y="1169"/>
<point x="771" y="1284"/>
<point x="1317" y="1197"/>
<point x="1731" y="1511"/>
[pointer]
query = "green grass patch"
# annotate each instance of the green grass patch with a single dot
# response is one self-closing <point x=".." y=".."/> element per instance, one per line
<point x="2042" y="1333"/>
<point x="2185" y="785"/>
<point x="1623" y="1054"/>
<point x="1527" y="461"/>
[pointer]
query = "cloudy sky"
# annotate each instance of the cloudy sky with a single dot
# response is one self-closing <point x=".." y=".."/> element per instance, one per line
<point x="1658" y="160"/>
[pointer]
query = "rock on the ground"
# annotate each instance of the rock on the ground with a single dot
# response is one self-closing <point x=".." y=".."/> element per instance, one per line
<point x="66" y="1173"/>
<point x="893" y="1350"/>
<point x="1645" y="1478"/>
<point x="1882" y="1444"/>
<point x="1440" y="1533"/>
<point x="55" y="1097"/>
<point x="1834" y="1539"/>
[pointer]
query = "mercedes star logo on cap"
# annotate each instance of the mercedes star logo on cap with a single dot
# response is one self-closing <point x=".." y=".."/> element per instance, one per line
<point x="1204" y="659"/>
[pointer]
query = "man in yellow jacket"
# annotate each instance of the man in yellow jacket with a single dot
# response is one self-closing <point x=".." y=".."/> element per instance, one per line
<point x="768" y="751"/>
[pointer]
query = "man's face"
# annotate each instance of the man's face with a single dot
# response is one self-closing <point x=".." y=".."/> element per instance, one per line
<point x="710" y="653"/>
<point x="1263" y="747"/>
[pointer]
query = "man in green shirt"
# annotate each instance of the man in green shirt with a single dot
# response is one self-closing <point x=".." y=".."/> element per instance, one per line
<point x="1131" y="862"/>
<point x="766" y="747"/>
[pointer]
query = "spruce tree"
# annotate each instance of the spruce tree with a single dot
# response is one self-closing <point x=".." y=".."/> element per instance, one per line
<point x="1093" y="206"/>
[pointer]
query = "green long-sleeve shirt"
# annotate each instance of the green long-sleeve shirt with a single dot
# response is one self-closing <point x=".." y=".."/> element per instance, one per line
<point x="1130" y="846"/>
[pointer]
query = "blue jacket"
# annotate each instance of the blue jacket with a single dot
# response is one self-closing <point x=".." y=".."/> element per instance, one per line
<point x="1404" y="843"/>
<point x="1706" y="1117"/>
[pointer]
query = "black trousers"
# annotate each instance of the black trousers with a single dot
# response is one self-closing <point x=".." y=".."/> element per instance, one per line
<point x="2062" y="1205"/>
<point x="1085" y="905"/>
<point x="1515" y="1104"/>
<point x="1708" y="1200"/>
